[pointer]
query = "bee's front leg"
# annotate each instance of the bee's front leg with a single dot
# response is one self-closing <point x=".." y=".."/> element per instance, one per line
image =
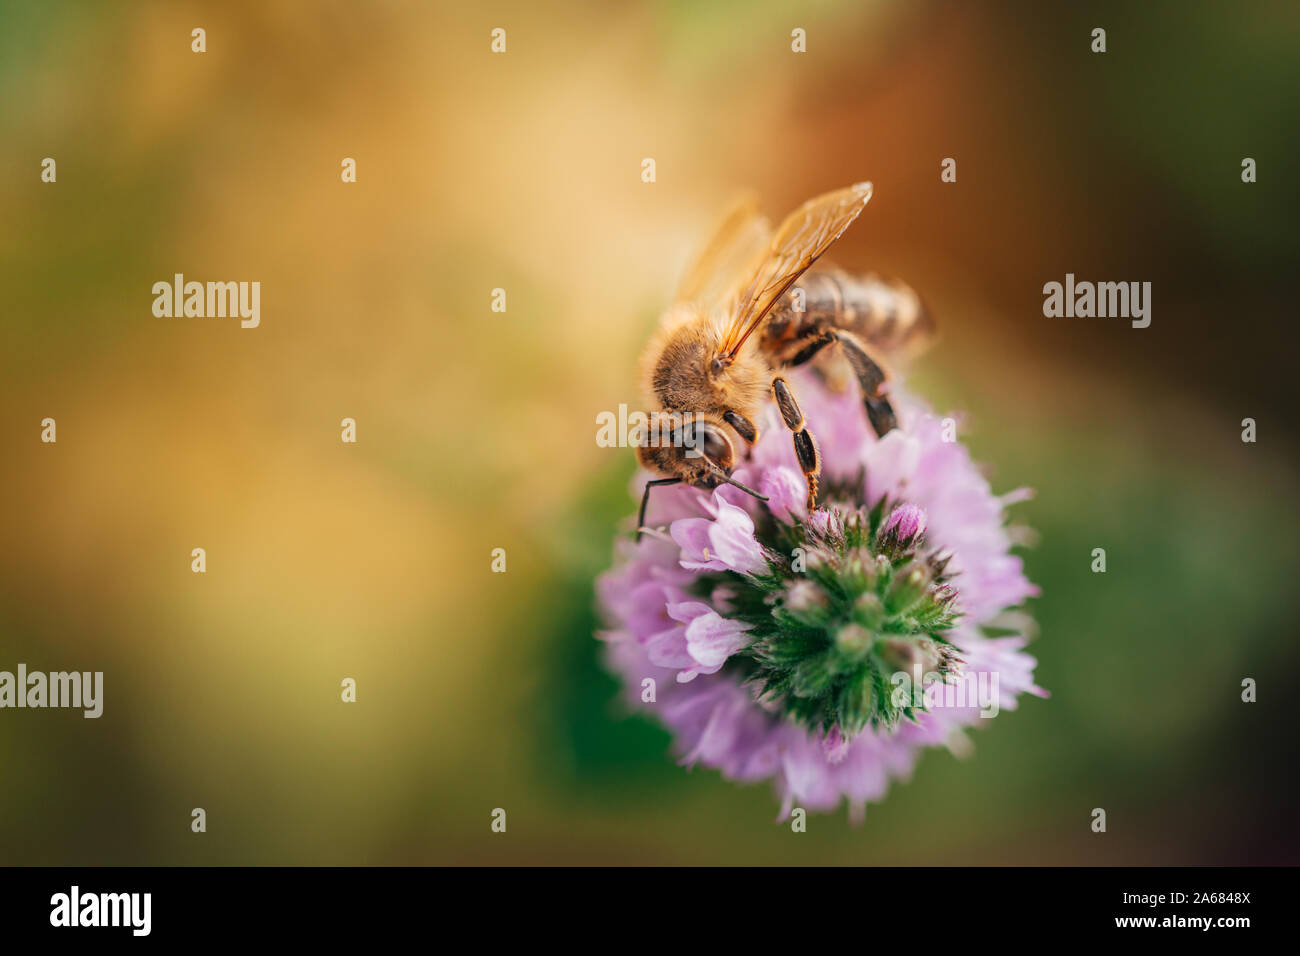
<point x="645" y="501"/>
<point x="743" y="426"/>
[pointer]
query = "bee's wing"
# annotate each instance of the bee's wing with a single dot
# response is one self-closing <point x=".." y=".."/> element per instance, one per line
<point x="721" y="265"/>
<point x="802" y="238"/>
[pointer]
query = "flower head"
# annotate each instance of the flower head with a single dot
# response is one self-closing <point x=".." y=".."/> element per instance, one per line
<point x="813" y="649"/>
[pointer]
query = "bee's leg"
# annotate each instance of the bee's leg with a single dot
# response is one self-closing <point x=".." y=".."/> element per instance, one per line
<point x="645" y="501"/>
<point x="806" y="349"/>
<point x="872" y="376"/>
<point x="743" y="426"/>
<point x="805" y="449"/>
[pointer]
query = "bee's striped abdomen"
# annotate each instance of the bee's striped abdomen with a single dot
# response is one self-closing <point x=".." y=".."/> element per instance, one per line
<point x="884" y="313"/>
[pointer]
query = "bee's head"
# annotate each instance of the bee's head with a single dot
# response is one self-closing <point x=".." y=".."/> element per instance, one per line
<point x="693" y="448"/>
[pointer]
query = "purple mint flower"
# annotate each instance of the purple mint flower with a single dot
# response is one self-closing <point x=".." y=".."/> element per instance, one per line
<point x="724" y="543"/>
<point x="700" y="643"/>
<point x="786" y="491"/>
<point x="685" y="609"/>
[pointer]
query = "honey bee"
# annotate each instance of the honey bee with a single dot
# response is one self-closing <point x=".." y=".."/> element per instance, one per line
<point x="748" y="309"/>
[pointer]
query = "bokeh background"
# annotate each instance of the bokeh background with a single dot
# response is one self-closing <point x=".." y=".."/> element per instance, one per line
<point x="476" y="429"/>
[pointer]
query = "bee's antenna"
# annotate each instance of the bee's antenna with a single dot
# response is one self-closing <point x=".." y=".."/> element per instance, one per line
<point x="645" y="498"/>
<point x="745" y="488"/>
<point x="732" y="481"/>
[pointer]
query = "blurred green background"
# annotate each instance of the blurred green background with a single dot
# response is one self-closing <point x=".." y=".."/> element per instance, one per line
<point x="478" y="171"/>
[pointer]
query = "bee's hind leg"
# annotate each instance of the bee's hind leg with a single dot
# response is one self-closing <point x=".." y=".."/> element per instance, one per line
<point x="805" y="449"/>
<point x="871" y="372"/>
<point x="806" y="349"/>
<point x="829" y="373"/>
<point x="873" y="377"/>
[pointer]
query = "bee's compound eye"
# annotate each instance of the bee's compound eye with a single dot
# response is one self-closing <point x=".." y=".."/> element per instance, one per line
<point x="715" y="445"/>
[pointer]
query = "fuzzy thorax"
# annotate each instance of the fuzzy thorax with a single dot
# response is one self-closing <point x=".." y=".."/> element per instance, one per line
<point x="681" y="373"/>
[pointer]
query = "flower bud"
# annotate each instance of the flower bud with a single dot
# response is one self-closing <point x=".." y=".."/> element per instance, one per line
<point x="939" y="561"/>
<point x="943" y="596"/>
<point x="805" y="600"/>
<point x="900" y="654"/>
<point x="925" y="656"/>
<point x="835" y="746"/>
<point x="853" y="640"/>
<point x="908" y="587"/>
<point x="901" y="530"/>
<point x="868" y="611"/>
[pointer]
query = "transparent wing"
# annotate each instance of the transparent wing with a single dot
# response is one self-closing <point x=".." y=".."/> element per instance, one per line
<point x="724" y="262"/>
<point x="798" y="243"/>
